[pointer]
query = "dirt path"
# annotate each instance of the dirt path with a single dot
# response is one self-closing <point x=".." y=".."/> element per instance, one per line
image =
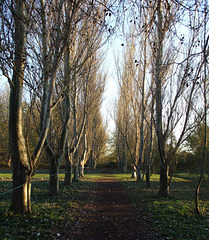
<point x="109" y="215"/>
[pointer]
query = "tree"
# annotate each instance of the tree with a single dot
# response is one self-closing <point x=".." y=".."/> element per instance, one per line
<point x="4" y="116"/>
<point x="79" y="54"/>
<point x="204" y="82"/>
<point x="25" y="52"/>
<point x="175" y="68"/>
<point x="127" y="113"/>
<point x="21" y="165"/>
<point x="184" y="89"/>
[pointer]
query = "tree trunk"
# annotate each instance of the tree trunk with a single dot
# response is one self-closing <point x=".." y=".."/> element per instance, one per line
<point x="68" y="167"/>
<point x="90" y="160"/>
<point x="21" y="196"/>
<point x="159" y="108"/>
<point x="148" y="176"/>
<point x="21" y="166"/>
<point x="81" y="168"/>
<point x="134" y="172"/>
<point x="197" y="190"/>
<point x="68" y="173"/>
<point x="150" y="145"/>
<point x="124" y="159"/>
<point x="54" y="178"/>
<point x="141" y="148"/>
<point x="75" y="173"/>
<point x="163" y="191"/>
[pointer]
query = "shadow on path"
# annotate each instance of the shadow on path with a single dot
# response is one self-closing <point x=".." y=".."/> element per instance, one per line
<point x="110" y="215"/>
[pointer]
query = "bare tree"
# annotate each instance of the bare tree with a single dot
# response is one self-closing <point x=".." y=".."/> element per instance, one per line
<point x="55" y="33"/>
<point x="204" y="82"/>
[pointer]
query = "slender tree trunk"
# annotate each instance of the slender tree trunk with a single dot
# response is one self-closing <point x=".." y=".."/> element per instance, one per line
<point x="163" y="191"/>
<point x="81" y="169"/>
<point x="141" y="148"/>
<point x="134" y="172"/>
<point x="84" y="155"/>
<point x="21" y="202"/>
<point x="123" y="158"/>
<point x="147" y="176"/>
<point x="75" y="132"/>
<point x="91" y="161"/>
<point x="44" y="60"/>
<point x="197" y="190"/>
<point x="75" y="173"/>
<point x="150" y="145"/>
<point x="68" y="167"/>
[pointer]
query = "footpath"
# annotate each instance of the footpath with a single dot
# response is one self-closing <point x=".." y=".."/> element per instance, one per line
<point x="109" y="214"/>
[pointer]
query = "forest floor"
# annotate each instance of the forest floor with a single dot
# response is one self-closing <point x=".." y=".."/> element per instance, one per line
<point x="108" y="213"/>
<point x="107" y="205"/>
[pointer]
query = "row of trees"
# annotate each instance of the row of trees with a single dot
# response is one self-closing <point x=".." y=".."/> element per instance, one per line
<point x="162" y="78"/>
<point x="51" y="56"/>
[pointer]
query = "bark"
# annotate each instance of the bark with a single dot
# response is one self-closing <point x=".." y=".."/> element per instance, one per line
<point x="75" y="173"/>
<point x="134" y="173"/>
<point x="81" y="168"/>
<point x="20" y="160"/>
<point x="21" y="196"/>
<point x="75" y="132"/>
<point x="148" y="176"/>
<point x="163" y="191"/>
<point x="68" y="167"/>
<point x="158" y="82"/>
<point x="197" y="190"/>
<point x="84" y="157"/>
<point x="123" y="158"/>
<point x="54" y="178"/>
<point x="44" y="60"/>
<point x="91" y="162"/>
<point x="141" y="148"/>
<point x="150" y="145"/>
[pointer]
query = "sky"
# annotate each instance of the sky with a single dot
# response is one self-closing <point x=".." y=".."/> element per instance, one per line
<point x="111" y="88"/>
<point x="3" y="83"/>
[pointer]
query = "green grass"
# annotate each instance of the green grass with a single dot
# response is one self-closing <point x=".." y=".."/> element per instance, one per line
<point x="172" y="217"/>
<point x="50" y="215"/>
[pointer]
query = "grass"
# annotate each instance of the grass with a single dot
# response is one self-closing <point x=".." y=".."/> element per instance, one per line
<point x="172" y="217"/>
<point x="50" y="215"/>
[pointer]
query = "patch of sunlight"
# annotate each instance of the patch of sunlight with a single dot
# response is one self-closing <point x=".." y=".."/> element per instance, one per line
<point x="155" y="178"/>
<point x="178" y="179"/>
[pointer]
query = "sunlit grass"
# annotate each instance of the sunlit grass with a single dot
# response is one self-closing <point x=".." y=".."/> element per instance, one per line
<point x="5" y="174"/>
<point x="94" y="176"/>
